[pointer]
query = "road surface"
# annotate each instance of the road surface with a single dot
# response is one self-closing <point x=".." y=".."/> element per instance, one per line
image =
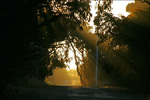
<point x="76" y="93"/>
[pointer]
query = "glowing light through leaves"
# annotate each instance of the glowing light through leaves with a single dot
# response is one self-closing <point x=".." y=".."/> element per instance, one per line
<point x="119" y="8"/>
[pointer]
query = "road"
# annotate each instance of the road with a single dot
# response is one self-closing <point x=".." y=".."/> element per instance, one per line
<point x="76" y="93"/>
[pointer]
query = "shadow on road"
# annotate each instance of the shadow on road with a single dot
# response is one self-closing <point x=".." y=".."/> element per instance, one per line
<point x="76" y="93"/>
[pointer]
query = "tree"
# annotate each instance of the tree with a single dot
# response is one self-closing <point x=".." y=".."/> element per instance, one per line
<point x="24" y="41"/>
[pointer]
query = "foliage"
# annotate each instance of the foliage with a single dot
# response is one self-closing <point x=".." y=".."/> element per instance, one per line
<point x="31" y="34"/>
<point x="125" y="38"/>
<point x="30" y="31"/>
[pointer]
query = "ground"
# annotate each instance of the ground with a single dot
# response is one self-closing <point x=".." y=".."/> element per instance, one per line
<point x="76" y="93"/>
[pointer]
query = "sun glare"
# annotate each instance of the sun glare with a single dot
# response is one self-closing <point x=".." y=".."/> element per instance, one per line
<point x="93" y="12"/>
<point x="72" y="63"/>
<point x="119" y="8"/>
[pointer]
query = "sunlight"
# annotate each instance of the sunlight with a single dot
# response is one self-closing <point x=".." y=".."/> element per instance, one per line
<point x="61" y="52"/>
<point x="119" y="8"/>
<point x="63" y="77"/>
<point x="93" y="12"/>
<point x="72" y="63"/>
